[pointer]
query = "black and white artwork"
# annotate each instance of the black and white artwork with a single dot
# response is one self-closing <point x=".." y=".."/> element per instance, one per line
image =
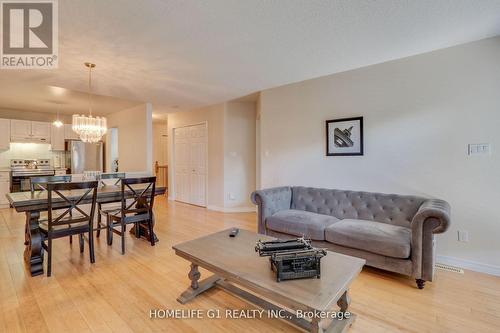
<point x="344" y="137"/>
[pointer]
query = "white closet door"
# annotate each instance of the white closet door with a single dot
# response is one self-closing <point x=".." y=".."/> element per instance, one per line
<point x="182" y="167"/>
<point x="190" y="146"/>
<point x="198" y="156"/>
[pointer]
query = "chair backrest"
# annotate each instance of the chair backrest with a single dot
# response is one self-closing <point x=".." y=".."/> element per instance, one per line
<point x="142" y="196"/>
<point x="57" y="200"/>
<point x="112" y="175"/>
<point x="40" y="183"/>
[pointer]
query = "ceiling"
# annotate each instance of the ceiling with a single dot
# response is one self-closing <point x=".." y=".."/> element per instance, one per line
<point x="183" y="54"/>
<point x="53" y="99"/>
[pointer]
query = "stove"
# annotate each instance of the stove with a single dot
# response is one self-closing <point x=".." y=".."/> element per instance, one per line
<point x="31" y="168"/>
<point x="23" y="170"/>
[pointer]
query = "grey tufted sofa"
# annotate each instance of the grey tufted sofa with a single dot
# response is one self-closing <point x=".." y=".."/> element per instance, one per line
<point x="391" y="232"/>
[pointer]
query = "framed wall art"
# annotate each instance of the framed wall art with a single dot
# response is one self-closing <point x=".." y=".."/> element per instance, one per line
<point x="344" y="137"/>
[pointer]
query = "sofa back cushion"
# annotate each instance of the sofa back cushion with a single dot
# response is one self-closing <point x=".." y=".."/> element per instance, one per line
<point x="387" y="208"/>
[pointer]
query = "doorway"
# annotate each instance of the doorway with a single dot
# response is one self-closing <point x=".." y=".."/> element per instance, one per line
<point x="190" y="164"/>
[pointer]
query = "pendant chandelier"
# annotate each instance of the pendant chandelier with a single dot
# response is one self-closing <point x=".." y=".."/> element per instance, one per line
<point x="89" y="128"/>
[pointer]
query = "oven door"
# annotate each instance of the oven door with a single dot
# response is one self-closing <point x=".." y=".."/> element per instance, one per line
<point x="15" y="184"/>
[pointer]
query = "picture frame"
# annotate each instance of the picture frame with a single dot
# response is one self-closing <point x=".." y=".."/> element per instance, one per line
<point x="344" y="137"/>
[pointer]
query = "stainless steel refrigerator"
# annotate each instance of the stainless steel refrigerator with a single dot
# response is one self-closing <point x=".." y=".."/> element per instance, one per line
<point x="81" y="156"/>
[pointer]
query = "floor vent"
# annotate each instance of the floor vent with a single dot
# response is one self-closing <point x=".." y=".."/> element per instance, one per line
<point x="449" y="268"/>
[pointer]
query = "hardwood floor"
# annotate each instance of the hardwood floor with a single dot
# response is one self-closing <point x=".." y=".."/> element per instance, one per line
<point x="117" y="292"/>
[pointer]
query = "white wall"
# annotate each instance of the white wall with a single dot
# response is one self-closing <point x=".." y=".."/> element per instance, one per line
<point x="135" y="138"/>
<point x="148" y="136"/>
<point x="160" y="144"/>
<point x="258" y="146"/>
<point x="419" y="115"/>
<point x="112" y="152"/>
<point x="239" y="154"/>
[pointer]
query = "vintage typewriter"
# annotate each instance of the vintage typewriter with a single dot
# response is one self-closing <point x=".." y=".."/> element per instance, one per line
<point x="268" y="248"/>
<point x="297" y="265"/>
<point x="292" y="259"/>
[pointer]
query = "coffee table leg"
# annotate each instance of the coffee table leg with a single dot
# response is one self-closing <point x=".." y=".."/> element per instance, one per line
<point x="315" y="326"/>
<point x="194" y="275"/>
<point x="197" y="287"/>
<point x="337" y="325"/>
<point x="344" y="302"/>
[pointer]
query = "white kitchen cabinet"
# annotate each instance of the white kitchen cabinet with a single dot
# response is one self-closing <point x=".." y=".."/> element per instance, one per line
<point x="69" y="134"/>
<point x="40" y="130"/>
<point x="29" y="131"/>
<point x="4" y="188"/>
<point x="4" y="134"/>
<point x="20" y="129"/>
<point x="57" y="138"/>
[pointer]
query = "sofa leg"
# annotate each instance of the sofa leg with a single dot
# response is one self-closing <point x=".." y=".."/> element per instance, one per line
<point x="420" y="283"/>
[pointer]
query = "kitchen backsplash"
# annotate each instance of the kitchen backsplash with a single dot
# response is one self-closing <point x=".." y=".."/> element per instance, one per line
<point x="29" y="151"/>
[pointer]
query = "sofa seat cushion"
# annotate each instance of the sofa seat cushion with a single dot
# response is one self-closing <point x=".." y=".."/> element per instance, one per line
<point x="300" y="223"/>
<point x="380" y="238"/>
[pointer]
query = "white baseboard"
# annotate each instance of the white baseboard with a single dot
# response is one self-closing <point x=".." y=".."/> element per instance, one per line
<point x="232" y="209"/>
<point x="250" y="209"/>
<point x="469" y="264"/>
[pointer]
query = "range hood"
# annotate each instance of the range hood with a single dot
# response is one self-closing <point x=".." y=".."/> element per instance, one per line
<point x="28" y="139"/>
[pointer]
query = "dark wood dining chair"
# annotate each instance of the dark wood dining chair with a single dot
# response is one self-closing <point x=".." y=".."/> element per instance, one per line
<point x="73" y="220"/>
<point x="112" y="175"/>
<point x="103" y="209"/>
<point x="40" y="183"/>
<point x="140" y="210"/>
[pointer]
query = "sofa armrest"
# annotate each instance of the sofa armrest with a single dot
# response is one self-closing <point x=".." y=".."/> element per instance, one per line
<point x="269" y="201"/>
<point x="432" y="209"/>
<point x="433" y="217"/>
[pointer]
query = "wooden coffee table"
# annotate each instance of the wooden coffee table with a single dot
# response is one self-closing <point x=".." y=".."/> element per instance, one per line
<point x="235" y="264"/>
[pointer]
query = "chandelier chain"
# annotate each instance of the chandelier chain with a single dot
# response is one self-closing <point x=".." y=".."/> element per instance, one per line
<point x="90" y="91"/>
<point x="89" y="128"/>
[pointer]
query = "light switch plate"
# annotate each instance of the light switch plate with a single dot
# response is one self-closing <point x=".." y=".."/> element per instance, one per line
<point x="463" y="236"/>
<point x="479" y="149"/>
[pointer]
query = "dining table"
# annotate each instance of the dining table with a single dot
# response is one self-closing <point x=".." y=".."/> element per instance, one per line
<point x="32" y="204"/>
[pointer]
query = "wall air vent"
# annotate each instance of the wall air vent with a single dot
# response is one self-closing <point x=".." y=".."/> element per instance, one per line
<point x="449" y="268"/>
